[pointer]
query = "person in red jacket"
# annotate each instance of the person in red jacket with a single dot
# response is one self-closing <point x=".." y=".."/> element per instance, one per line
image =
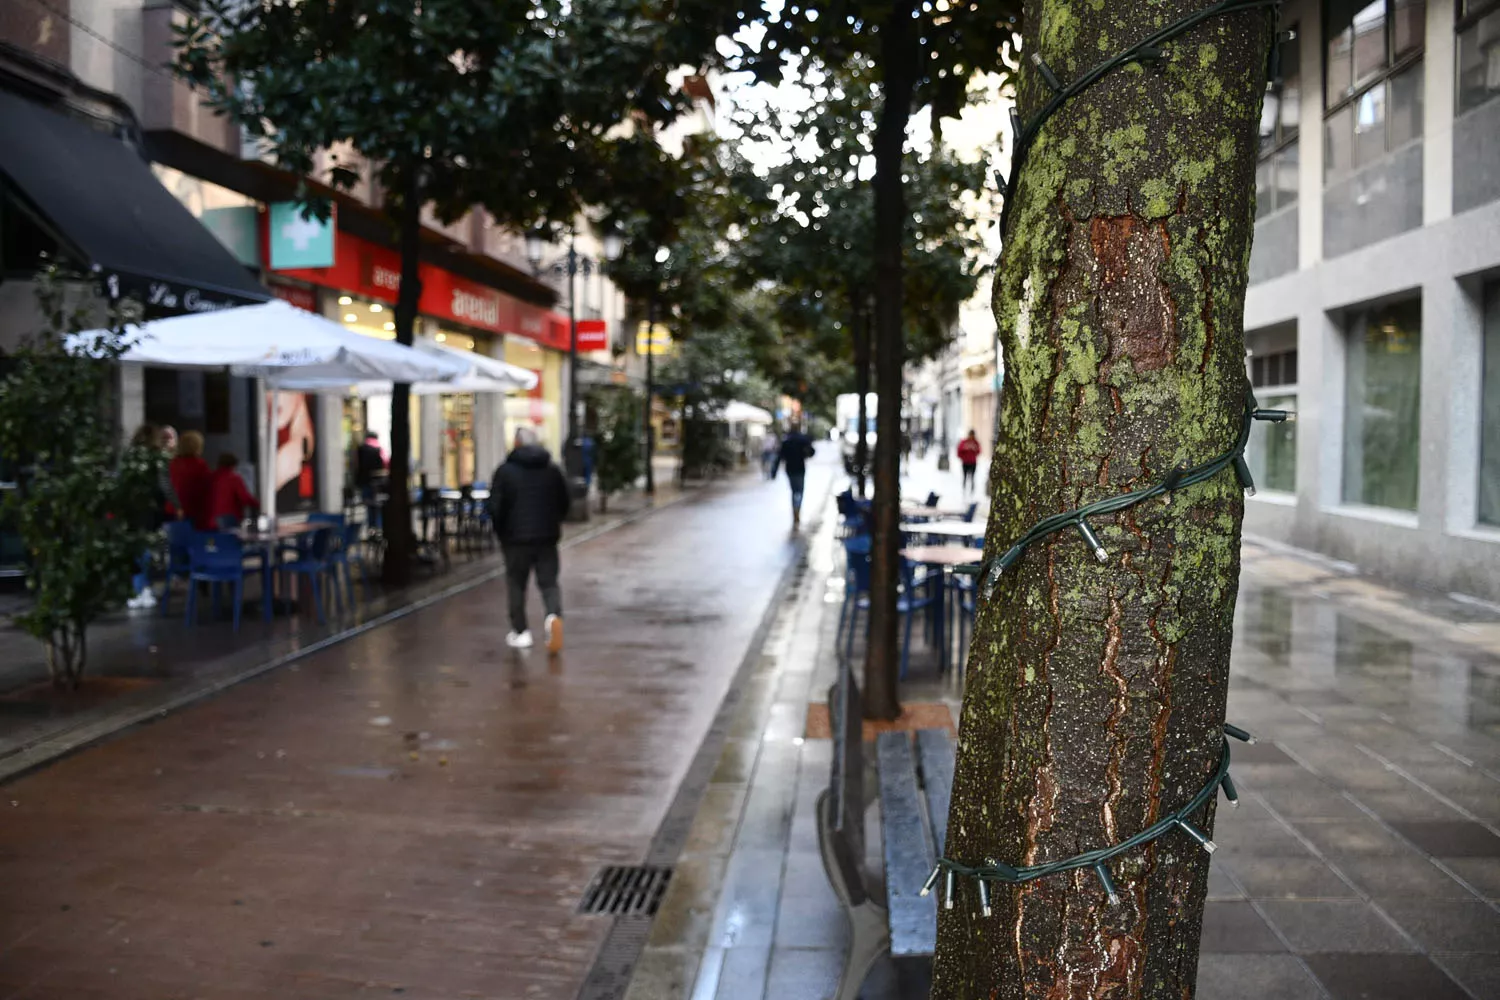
<point x="191" y="478"/>
<point x="229" y="498"/>
<point x="968" y="457"/>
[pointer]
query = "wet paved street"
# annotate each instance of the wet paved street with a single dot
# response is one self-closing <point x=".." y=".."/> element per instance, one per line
<point x="414" y="812"/>
<point x="1363" y="863"/>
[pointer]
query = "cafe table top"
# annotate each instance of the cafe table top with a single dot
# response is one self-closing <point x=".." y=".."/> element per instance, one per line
<point x="952" y="529"/>
<point x="278" y="531"/>
<point x="943" y="555"/>
<point x="922" y="510"/>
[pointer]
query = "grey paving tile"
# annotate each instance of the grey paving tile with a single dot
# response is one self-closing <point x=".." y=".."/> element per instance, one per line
<point x="747" y="905"/>
<point x="687" y="913"/>
<point x="1337" y="837"/>
<point x="1333" y="926"/>
<point x="1306" y="877"/>
<point x="736" y="762"/>
<point x="1480" y="973"/>
<point x="1220" y="885"/>
<point x="742" y="975"/>
<point x="1260" y="752"/>
<point x="663" y="974"/>
<point x="1234" y="926"/>
<point x="1445" y="925"/>
<point x="1254" y="977"/>
<point x="1401" y="878"/>
<point x="809" y="922"/>
<point x="1451" y="838"/>
<point x="1267" y="838"/>
<point x="718" y="818"/>
<point x="803" y="973"/>
<point x="1382" y="977"/>
<point x="1482" y="873"/>
<point x="706" y="985"/>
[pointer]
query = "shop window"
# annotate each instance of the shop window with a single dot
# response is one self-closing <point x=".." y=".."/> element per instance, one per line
<point x="1489" y="410"/>
<point x="1272" y="449"/>
<point x="1382" y="405"/>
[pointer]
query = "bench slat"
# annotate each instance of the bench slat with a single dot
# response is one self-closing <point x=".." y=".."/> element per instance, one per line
<point x="908" y="849"/>
<point x="935" y="755"/>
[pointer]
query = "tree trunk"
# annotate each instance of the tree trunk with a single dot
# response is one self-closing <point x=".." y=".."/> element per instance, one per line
<point x="399" y="540"/>
<point x="1096" y="692"/>
<point x="862" y="387"/>
<point x="650" y="393"/>
<point x="899" y="52"/>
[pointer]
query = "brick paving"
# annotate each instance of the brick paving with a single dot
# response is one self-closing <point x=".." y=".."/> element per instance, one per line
<point x="415" y="811"/>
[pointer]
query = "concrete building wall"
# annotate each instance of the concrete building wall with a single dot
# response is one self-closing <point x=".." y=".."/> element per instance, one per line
<point x="1435" y="256"/>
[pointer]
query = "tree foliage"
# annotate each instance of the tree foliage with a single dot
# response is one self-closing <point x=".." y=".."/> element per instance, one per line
<point x="619" y="443"/>
<point x="521" y="108"/>
<point x="83" y="505"/>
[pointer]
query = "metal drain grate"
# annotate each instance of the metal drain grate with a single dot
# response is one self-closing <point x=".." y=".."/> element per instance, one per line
<point x="621" y="890"/>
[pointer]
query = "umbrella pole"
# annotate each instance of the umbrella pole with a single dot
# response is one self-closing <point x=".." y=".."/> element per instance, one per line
<point x="268" y="498"/>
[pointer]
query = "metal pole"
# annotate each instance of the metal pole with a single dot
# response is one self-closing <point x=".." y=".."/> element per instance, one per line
<point x="650" y="390"/>
<point x="571" y="446"/>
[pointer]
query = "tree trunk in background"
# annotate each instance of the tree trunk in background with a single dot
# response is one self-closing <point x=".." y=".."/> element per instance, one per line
<point x="399" y="541"/>
<point x="862" y="386"/>
<point x="1096" y="692"/>
<point x="898" y="59"/>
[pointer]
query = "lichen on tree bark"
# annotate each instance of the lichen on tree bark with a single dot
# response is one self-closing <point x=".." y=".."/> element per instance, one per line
<point x="1096" y="692"/>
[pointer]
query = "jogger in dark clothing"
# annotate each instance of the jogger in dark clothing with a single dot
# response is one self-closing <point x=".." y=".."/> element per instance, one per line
<point x="796" y="449"/>
<point x="529" y="500"/>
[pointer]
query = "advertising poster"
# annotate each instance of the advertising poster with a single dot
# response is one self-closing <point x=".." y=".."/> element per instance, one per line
<point x="295" y="465"/>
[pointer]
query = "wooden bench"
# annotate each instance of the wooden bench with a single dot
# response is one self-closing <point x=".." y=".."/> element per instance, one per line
<point x="914" y="789"/>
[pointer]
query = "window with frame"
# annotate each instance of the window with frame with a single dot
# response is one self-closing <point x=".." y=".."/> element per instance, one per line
<point x="1478" y="29"/>
<point x="1382" y="405"/>
<point x="1276" y="173"/>
<point x="1489" y="410"/>
<point x="1272" y="449"/>
<point x="1372" y="80"/>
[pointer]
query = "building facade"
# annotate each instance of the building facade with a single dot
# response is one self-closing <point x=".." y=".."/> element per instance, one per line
<point x="91" y="72"/>
<point x="1374" y="303"/>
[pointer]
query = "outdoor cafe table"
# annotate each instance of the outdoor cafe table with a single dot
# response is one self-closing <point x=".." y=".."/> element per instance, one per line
<point x="948" y="529"/>
<point x="943" y="558"/>
<point x="267" y="543"/>
<point x="922" y="510"/>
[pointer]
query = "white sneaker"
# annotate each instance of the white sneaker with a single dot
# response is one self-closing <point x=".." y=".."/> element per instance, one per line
<point x="554" y="631"/>
<point x="147" y="598"/>
<point x="519" y="640"/>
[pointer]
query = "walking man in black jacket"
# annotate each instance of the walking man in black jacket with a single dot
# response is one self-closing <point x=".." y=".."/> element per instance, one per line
<point x="529" y="500"/>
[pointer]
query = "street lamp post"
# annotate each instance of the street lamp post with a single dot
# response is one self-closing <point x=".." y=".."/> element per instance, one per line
<point x="661" y="257"/>
<point x="571" y="265"/>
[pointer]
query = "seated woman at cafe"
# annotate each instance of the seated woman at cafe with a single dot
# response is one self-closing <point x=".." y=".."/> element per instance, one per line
<point x="229" y="498"/>
<point x="191" y="479"/>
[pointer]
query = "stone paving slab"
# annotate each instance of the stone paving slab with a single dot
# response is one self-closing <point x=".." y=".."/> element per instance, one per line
<point x="1363" y="862"/>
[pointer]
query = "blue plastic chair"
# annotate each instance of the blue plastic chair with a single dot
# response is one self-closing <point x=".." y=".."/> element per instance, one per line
<point x="856" y="586"/>
<point x="344" y="554"/>
<point x="969" y="514"/>
<point x="916" y="595"/>
<point x="932" y="499"/>
<point x="217" y="558"/>
<point x="310" y="559"/>
<point x="180" y="535"/>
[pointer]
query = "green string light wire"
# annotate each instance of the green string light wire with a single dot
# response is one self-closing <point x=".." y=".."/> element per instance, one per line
<point x="1098" y="859"/>
<point x="1179" y="478"/>
<point x="1148" y="49"/>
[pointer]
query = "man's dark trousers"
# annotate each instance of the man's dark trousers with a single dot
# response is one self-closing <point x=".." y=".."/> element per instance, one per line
<point x="521" y="559"/>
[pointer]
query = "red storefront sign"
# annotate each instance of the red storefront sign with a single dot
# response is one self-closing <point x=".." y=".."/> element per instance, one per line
<point x="593" y="335"/>
<point x="372" y="271"/>
<point x="302" y="298"/>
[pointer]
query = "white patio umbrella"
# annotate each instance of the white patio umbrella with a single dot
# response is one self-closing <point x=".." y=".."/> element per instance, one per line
<point x="281" y="344"/>
<point x="480" y="374"/>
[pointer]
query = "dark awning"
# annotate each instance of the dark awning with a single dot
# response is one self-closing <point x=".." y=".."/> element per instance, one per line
<point x="103" y="201"/>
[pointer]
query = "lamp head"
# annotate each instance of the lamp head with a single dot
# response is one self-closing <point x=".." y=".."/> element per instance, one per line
<point x="536" y="239"/>
<point x="614" y="243"/>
